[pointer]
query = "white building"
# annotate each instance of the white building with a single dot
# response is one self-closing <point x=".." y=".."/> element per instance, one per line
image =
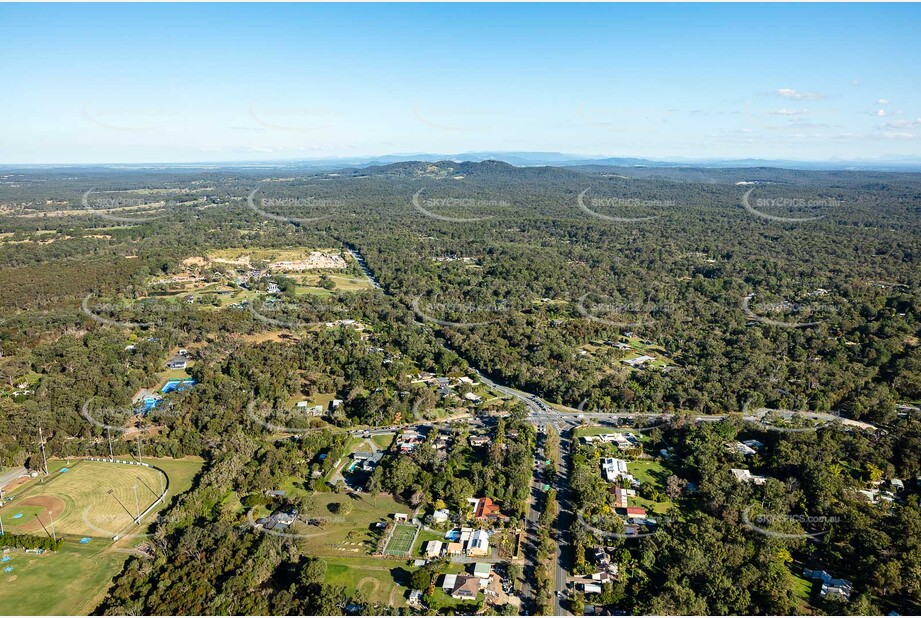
<point x="478" y="544"/>
<point x="614" y="469"/>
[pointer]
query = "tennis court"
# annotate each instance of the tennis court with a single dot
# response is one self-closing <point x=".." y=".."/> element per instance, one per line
<point x="401" y="541"/>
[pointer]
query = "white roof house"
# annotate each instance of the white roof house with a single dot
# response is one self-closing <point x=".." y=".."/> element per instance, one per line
<point x="638" y="361"/>
<point x="478" y="544"/>
<point x="614" y="469"/>
<point x="450" y="581"/>
<point x="745" y="476"/>
<point x="441" y="516"/>
<point x="433" y="549"/>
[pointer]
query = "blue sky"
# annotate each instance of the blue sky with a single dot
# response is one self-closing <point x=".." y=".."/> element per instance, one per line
<point x="208" y="82"/>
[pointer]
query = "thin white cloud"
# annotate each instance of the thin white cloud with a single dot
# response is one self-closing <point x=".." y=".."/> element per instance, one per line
<point x="880" y="112"/>
<point x="783" y="111"/>
<point x="790" y="93"/>
<point x="903" y="124"/>
<point x="882" y="101"/>
<point x="898" y="135"/>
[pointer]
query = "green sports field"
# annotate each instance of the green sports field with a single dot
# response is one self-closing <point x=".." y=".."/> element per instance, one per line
<point x="73" y="581"/>
<point x="85" y="498"/>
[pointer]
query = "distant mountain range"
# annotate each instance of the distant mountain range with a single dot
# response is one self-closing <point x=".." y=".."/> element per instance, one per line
<point x="528" y="159"/>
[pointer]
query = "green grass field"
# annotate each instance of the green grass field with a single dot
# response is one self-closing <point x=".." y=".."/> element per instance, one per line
<point x="373" y="577"/>
<point x="74" y="580"/>
<point x="650" y="472"/>
<point x="402" y="540"/>
<point x="69" y="582"/>
<point x="349" y="535"/>
<point x="424" y="537"/>
<point x="91" y="498"/>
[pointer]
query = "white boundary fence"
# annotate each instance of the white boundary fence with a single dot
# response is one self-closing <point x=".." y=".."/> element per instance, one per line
<point x="162" y="496"/>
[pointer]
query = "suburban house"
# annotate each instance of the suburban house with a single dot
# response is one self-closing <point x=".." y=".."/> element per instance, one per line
<point x="465" y="588"/>
<point x="591" y="588"/>
<point x="472" y="397"/>
<point x="745" y="476"/>
<point x="602" y="577"/>
<point x="482" y="571"/>
<point x="479" y="440"/>
<point x="484" y="508"/>
<point x="177" y="362"/>
<point x="279" y="520"/>
<point x="449" y="581"/>
<point x="455" y="549"/>
<point x="623" y="441"/>
<point x="740" y="448"/>
<point x="639" y="361"/>
<point x="478" y="544"/>
<point x="620" y="497"/>
<point x="400" y="517"/>
<point x="636" y="512"/>
<point x="312" y="410"/>
<point x="409" y="440"/>
<point x="441" y="516"/>
<point x="415" y="598"/>
<point x="615" y="469"/>
<point x="433" y="549"/>
<point x="831" y="586"/>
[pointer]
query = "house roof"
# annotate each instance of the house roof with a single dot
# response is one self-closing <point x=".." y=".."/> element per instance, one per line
<point x="486" y="508"/>
<point x="636" y="511"/>
<point x="466" y="587"/>
<point x="482" y="569"/>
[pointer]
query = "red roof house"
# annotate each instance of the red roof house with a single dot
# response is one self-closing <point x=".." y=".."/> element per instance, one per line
<point x="486" y="509"/>
<point x="636" y="511"/>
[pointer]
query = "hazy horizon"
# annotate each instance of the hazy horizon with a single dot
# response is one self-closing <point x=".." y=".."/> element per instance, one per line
<point x="209" y="84"/>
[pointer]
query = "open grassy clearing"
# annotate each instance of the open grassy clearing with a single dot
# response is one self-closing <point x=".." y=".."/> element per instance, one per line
<point x="69" y="582"/>
<point x="653" y="473"/>
<point x="373" y="577"/>
<point x="349" y="534"/>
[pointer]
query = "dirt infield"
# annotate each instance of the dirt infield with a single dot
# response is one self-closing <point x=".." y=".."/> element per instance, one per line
<point x="43" y="504"/>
